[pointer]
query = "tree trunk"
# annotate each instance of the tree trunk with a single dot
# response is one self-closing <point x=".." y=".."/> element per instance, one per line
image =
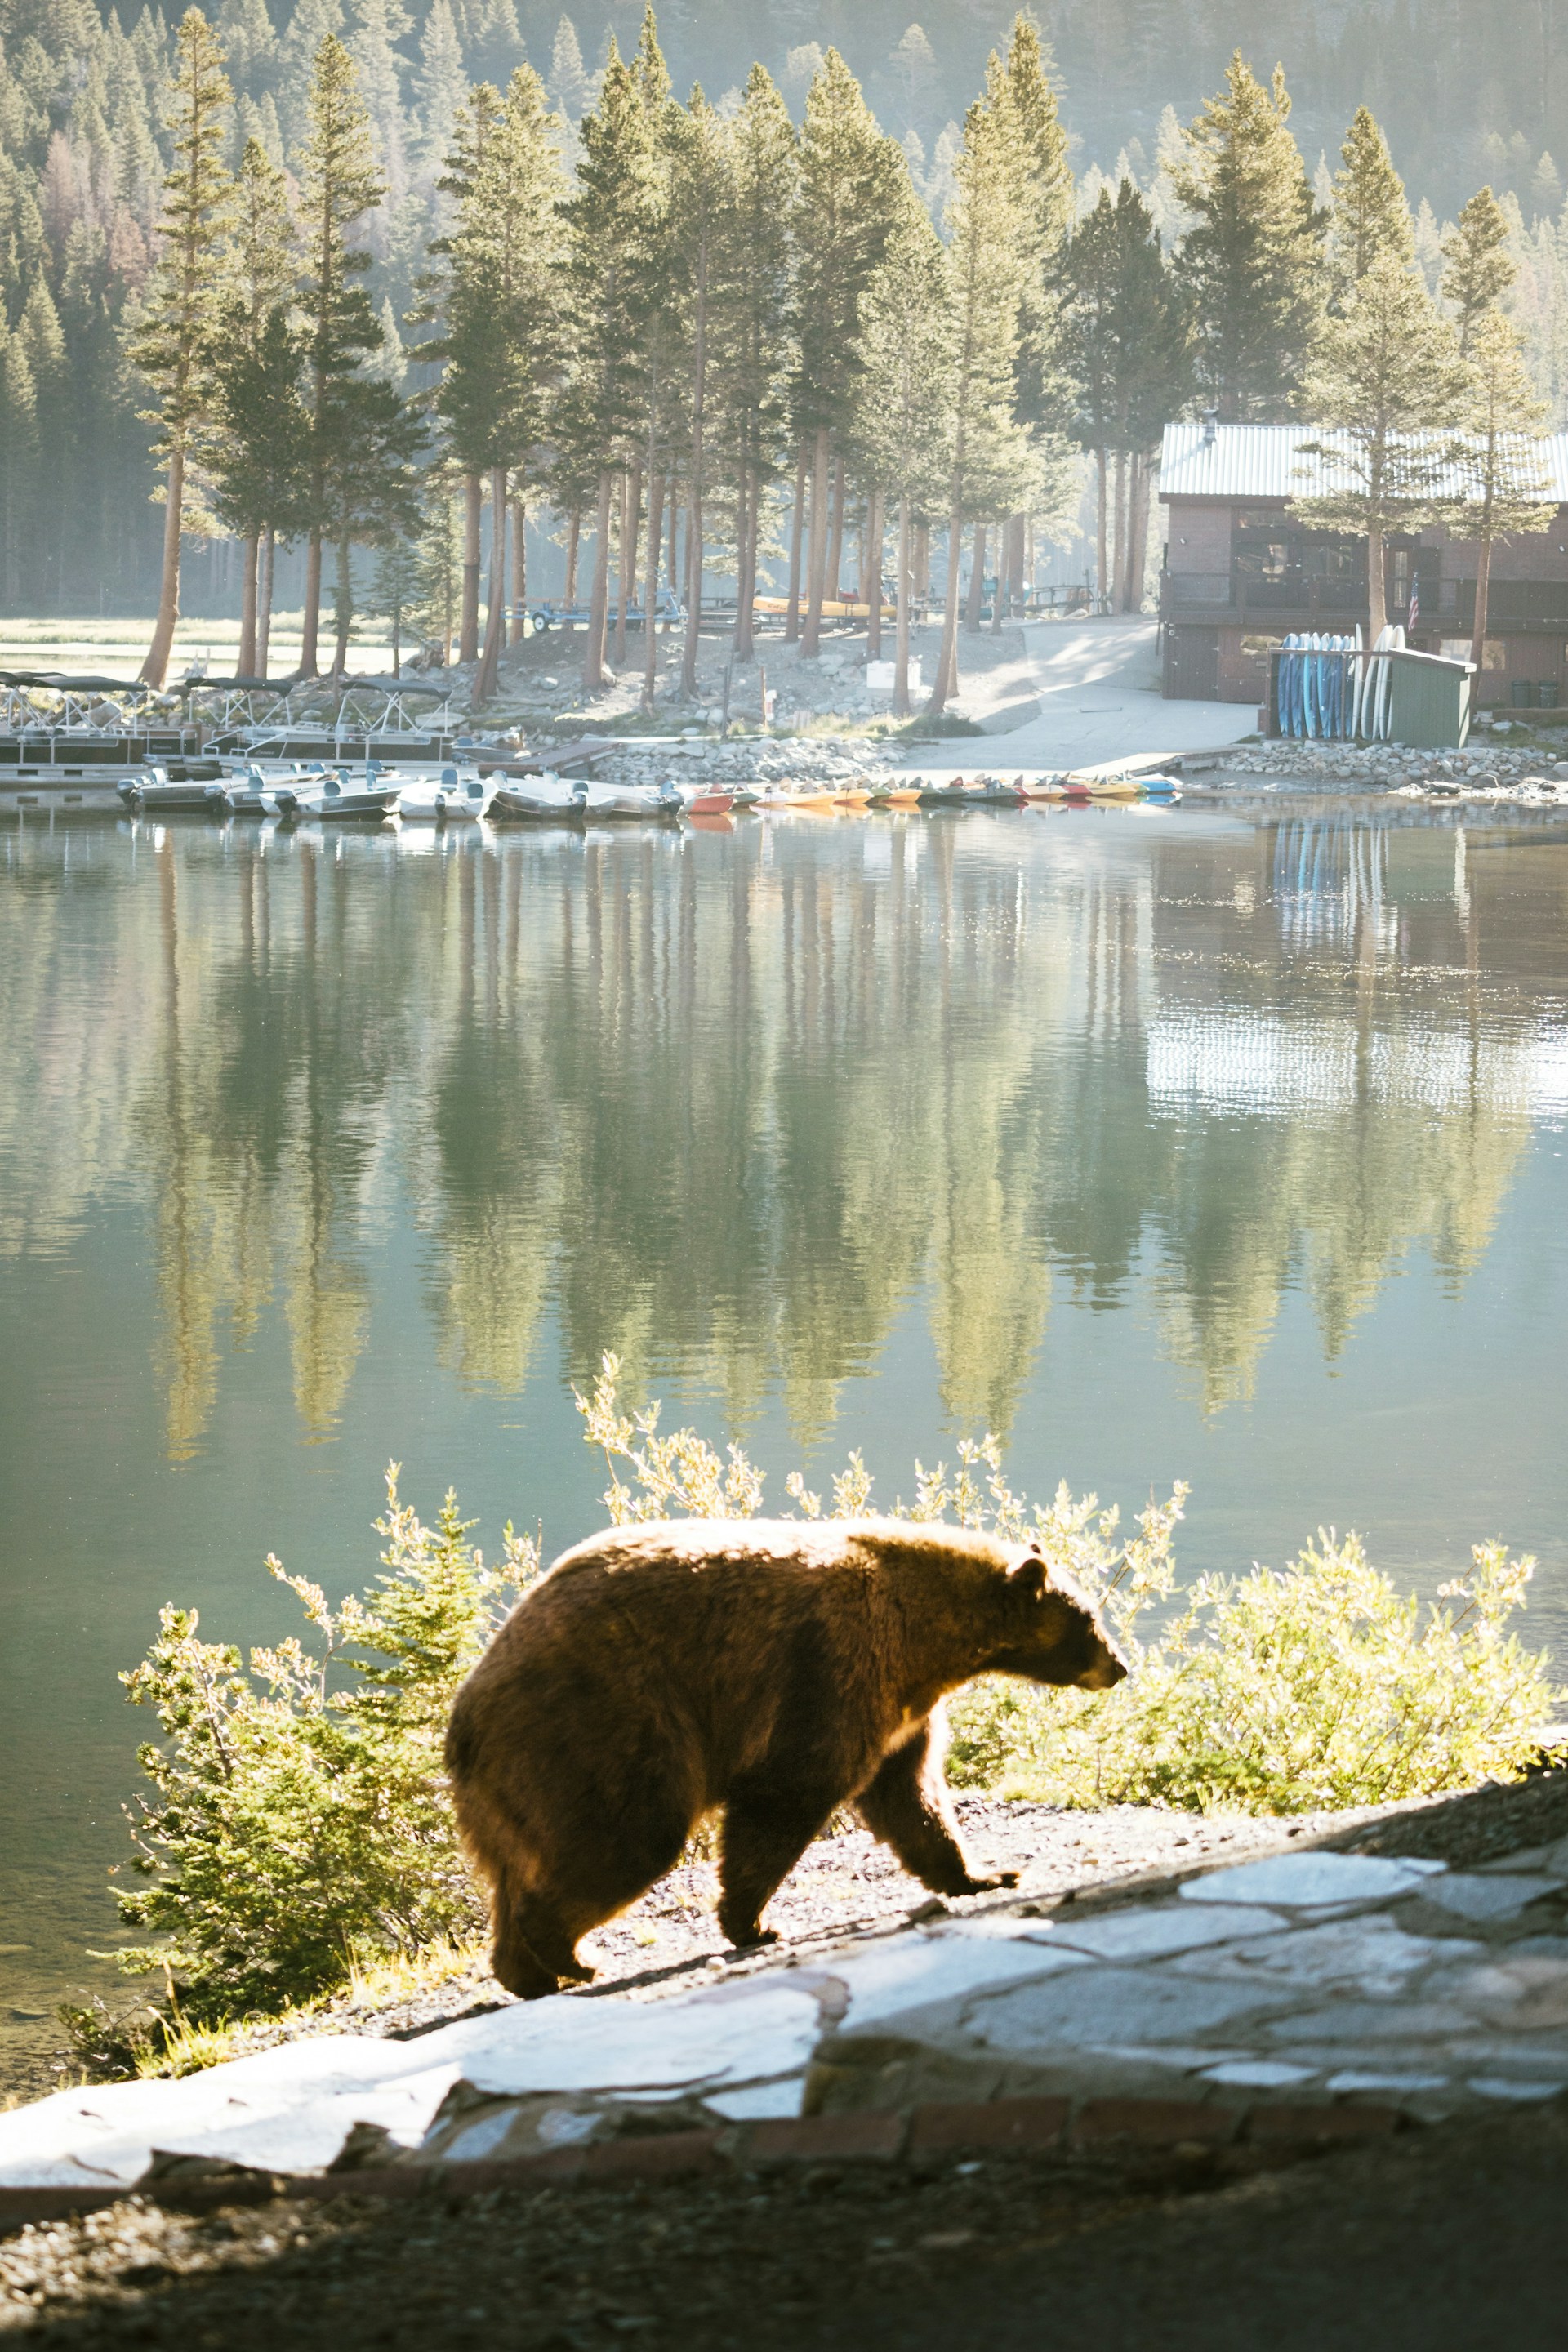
<point x="250" y="549"/>
<point x="264" y="621"/>
<point x="674" y="497"/>
<point x="495" y="615"/>
<point x="599" y="601"/>
<point x="976" y="578"/>
<point x="1119" y="537"/>
<point x="797" y="526"/>
<point x="154" y="669"/>
<point x="746" y="584"/>
<point x="625" y="568"/>
<point x="901" y="659"/>
<point x="311" y="624"/>
<point x="947" y="659"/>
<point x="1003" y="573"/>
<point x="693" y="588"/>
<point x="1377" y="607"/>
<point x="574" y="532"/>
<point x="834" y="583"/>
<point x="468" y="627"/>
<point x="343" y="605"/>
<point x="920" y="584"/>
<point x="1483" y="591"/>
<point x="518" y="628"/>
<point x="650" y="587"/>
<point x="1101" y="520"/>
<point x="872" y="571"/>
<point x="816" y="563"/>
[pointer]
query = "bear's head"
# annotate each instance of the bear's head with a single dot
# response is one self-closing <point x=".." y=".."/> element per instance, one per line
<point x="1053" y="1632"/>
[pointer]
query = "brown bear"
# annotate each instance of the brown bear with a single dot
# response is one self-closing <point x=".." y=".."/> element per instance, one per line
<point x="777" y="1668"/>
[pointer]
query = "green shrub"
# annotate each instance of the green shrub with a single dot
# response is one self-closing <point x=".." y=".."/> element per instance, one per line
<point x="299" y="1824"/>
<point x="300" y="1816"/>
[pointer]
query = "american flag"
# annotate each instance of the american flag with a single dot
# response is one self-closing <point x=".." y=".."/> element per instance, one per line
<point x="1415" y="602"/>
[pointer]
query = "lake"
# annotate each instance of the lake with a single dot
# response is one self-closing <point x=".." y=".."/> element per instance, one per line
<point x="1164" y="1144"/>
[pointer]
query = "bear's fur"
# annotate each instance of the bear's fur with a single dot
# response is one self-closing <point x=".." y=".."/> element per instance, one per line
<point x="777" y="1668"/>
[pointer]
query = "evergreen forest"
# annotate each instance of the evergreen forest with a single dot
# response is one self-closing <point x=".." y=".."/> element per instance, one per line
<point x="305" y="305"/>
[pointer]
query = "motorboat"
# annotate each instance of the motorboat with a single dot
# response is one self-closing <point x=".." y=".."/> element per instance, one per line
<point x="437" y="799"/>
<point x="159" y="794"/>
<point x="331" y="800"/>
<point x="698" y="800"/>
<point x="538" y="799"/>
<point x="631" y="804"/>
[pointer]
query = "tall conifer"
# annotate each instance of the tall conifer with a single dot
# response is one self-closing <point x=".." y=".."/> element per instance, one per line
<point x="1505" y="486"/>
<point x="610" y="221"/>
<point x="753" y="337"/>
<point x="1252" y="259"/>
<point x="338" y="185"/>
<point x="502" y="324"/>
<point x="1369" y="215"/>
<point x="173" y="346"/>
<point x="849" y="186"/>
<point x="1386" y="381"/>
<point x="257" y="460"/>
<point x="990" y="474"/>
<point x="903" y="429"/>
<point x="1480" y="269"/>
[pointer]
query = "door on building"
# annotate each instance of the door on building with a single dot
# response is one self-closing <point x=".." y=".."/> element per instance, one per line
<point x="1192" y="665"/>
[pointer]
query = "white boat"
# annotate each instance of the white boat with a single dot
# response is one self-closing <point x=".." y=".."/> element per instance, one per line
<point x="436" y="797"/>
<point x="333" y="800"/>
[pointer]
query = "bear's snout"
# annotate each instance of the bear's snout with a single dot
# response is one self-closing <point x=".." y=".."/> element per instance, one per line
<point x="1104" y="1672"/>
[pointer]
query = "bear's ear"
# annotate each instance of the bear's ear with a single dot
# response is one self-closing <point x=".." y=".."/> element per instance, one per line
<point x="1029" y="1576"/>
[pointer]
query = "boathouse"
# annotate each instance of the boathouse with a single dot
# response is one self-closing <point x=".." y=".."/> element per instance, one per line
<point x="1240" y="572"/>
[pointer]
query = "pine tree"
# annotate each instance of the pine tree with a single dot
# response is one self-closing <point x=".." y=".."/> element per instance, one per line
<point x="1126" y="343"/>
<point x="1386" y="379"/>
<point x="501" y="342"/>
<point x="702" y="197"/>
<point x="850" y="178"/>
<point x="571" y="84"/>
<point x="338" y="185"/>
<point x="904" y="427"/>
<point x="18" y="459"/>
<point x="312" y="23"/>
<point x="610" y="218"/>
<point x="1480" y="269"/>
<point x="1252" y="260"/>
<point x="174" y="343"/>
<point x="441" y="85"/>
<point x="1368" y="214"/>
<point x="1045" y="207"/>
<point x="257" y="464"/>
<point x="1505" y="487"/>
<point x="991" y="474"/>
<point x="439" y="558"/>
<point x="752" y="305"/>
<point x="378" y="25"/>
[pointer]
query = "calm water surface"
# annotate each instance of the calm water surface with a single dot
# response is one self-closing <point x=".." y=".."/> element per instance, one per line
<point x="1164" y="1145"/>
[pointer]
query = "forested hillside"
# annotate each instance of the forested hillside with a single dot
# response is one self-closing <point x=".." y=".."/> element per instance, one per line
<point x="85" y="144"/>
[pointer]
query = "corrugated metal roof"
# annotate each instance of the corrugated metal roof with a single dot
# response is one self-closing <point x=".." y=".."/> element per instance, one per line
<point x="1265" y="461"/>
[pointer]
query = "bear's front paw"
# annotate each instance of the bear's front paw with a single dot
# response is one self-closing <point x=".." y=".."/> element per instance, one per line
<point x="746" y="1939"/>
<point x="984" y="1885"/>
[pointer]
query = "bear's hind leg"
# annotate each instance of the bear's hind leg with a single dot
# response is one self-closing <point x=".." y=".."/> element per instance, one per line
<point x="766" y="1831"/>
<point x="905" y="1805"/>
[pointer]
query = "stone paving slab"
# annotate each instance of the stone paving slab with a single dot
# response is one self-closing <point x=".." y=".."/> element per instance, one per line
<point x="1307" y="1977"/>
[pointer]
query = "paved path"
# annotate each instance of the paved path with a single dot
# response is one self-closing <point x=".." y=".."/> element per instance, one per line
<point x="1097" y="682"/>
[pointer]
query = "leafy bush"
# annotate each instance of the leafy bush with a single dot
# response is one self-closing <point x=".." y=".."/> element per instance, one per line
<point x="300" y="1816"/>
<point x="299" y="1824"/>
